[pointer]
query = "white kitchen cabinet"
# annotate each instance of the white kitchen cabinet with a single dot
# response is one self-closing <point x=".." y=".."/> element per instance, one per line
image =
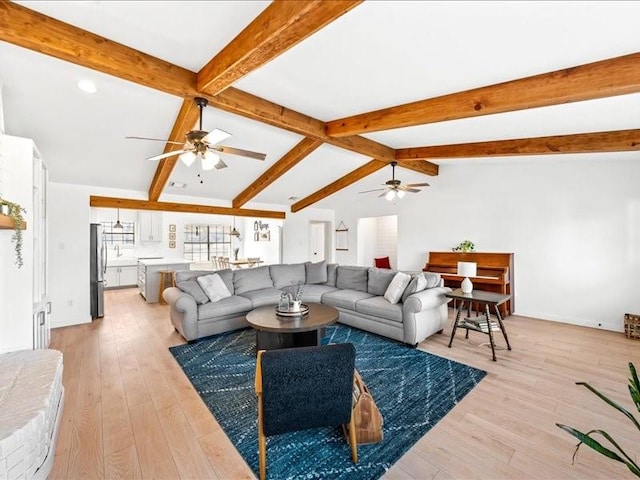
<point x="25" y="308"/>
<point x="121" y="276"/>
<point x="150" y="226"/>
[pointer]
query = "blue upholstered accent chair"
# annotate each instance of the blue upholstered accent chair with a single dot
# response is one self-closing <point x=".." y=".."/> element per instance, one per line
<point x="302" y="388"/>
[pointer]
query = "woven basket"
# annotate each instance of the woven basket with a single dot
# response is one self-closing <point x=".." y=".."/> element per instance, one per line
<point x="632" y="325"/>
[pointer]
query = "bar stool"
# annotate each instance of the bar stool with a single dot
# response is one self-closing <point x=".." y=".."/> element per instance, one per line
<point x="165" y="276"/>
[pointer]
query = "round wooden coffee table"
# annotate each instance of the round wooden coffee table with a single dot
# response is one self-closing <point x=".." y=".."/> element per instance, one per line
<point x="274" y="331"/>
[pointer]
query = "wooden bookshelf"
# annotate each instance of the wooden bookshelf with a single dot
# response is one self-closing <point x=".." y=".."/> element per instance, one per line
<point x="6" y="223"/>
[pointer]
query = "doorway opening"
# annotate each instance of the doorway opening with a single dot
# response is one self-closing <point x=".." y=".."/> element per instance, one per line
<point x="377" y="237"/>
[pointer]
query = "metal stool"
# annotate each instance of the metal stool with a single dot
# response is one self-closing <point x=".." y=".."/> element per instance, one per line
<point x="165" y="276"/>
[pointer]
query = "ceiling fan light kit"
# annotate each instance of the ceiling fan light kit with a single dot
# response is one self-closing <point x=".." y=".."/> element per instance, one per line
<point x="394" y="189"/>
<point x="201" y="145"/>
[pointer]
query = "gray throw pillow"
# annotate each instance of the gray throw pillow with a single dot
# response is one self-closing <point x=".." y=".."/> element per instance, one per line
<point x="417" y="284"/>
<point x="332" y="273"/>
<point x="352" y="278"/>
<point x="397" y="287"/>
<point x="287" y="274"/>
<point x="192" y="288"/>
<point x="249" y="279"/>
<point x="316" y="272"/>
<point x="379" y="280"/>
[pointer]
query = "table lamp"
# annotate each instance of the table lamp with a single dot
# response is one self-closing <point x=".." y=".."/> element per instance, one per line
<point x="467" y="269"/>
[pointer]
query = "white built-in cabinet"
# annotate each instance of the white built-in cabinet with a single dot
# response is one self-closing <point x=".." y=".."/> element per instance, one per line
<point x="121" y="276"/>
<point x="24" y="304"/>
<point x="150" y="226"/>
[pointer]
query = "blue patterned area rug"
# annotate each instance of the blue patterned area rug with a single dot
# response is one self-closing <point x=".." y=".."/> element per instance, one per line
<point x="413" y="390"/>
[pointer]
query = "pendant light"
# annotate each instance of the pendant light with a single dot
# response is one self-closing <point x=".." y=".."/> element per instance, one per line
<point x="118" y="225"/>
<point x="234" y="232"/>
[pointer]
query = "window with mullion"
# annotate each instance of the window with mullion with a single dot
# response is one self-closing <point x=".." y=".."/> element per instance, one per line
<point x="204" y="242"/>
<point x="119" y="236"/>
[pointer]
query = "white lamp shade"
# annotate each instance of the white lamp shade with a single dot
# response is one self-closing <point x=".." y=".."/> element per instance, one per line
<point x="390" y="195"/>
<point x="400" y="193"/>
<point x="467" y="269"/>
<point x="188" y="158"/>
<point x="209" y="160"/>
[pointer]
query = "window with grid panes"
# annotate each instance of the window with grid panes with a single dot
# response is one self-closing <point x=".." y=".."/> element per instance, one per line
<point x="119" y="236"/>
<point x="204" y="242"/>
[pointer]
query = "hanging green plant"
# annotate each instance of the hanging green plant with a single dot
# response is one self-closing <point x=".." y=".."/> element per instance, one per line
<point x="15" y="212"/>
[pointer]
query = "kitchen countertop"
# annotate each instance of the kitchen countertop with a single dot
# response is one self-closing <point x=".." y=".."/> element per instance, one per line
<point x="122" y="262"/>
<point x="150" y="262"/>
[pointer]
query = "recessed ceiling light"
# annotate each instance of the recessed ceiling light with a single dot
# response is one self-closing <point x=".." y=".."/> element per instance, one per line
<point x="87" y="86"/>
<point x="177" y="184"/>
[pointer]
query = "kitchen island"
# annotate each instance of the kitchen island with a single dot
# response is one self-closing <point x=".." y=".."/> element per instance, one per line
<point x="149" y="275"/>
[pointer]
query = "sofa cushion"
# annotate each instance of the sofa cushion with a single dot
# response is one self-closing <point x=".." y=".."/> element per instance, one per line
<point x="433" y="279"/>
<point x="316" y="272"/>
<point x="263" y="296"/>
<point x="345" y="298"/>
<point x="226" y="275"/>
<point x="417" y="284"/>
<point x="286" y="275"/>
<point x="379" y="280"/>
<point x="380" y="307"/>
<point x="397" y="287"/>
<point x="248" y="279"/>
<point x="352" y="278"/>
<point x="193" y="288"/>
<point x="227" y="306"/>
<point x="213" y="287"/>
<point x="332" y="273"/>
<point x="313" y="293"/>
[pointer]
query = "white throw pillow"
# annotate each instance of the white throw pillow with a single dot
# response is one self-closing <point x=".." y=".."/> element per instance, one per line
<point x="397" y="286"/>
<point x="214" y="287"/>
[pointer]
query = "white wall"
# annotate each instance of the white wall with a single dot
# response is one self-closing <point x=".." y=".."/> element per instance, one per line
<point x="573" y="225"/>
<point x="296" y="233"/>
<point x="16" y="284"/>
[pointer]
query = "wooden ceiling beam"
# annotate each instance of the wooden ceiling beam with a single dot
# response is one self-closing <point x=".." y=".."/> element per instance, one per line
<point x="280" y="26"/>
<point x="606" y="78"/>
<point x="114" y="202"/>
<point x="427" y="168"/>
<point x="187" y="118"/>
<point x="288" y="161"/>
<point x="348" y="179"/>
<point x="30" y="29"/>
<point x="615" y="141"/>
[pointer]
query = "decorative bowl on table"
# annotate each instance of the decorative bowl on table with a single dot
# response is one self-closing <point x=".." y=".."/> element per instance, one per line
<point x="290" y="312"/>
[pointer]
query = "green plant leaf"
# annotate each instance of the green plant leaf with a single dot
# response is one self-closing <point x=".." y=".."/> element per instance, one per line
<point x="590" y="442"/>
<point x="612" y="403"/>
<point x="634" y="386"/>
<point x="629" y="462"/>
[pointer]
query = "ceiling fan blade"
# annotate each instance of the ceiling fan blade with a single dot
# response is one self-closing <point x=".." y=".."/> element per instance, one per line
<point x="239" y="151"/>
<point x="215" y="136"/>
<point x="374" y="190"/>
<point x="417" y="185"/>
<point x="155" y="140"/>
<point x="407" y="189"/>
<point x="383" y="194"/>
<point x="220" y="165"/>
<point x="168" y="154"/>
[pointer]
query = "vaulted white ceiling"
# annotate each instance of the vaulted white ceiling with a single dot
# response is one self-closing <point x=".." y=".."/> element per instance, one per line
<point x="379" y="54"/>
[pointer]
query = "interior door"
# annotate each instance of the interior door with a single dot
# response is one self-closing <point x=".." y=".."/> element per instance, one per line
<point x="317" y="241"/>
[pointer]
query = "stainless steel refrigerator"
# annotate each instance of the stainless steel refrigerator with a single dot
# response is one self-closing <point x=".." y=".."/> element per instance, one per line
<point x="98" y="267"/>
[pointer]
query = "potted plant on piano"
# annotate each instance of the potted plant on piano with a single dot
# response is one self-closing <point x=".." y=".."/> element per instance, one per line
<point x="466" y="246"/>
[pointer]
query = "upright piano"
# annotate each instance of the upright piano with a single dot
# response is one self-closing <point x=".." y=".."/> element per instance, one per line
<point x="494" y="272"/>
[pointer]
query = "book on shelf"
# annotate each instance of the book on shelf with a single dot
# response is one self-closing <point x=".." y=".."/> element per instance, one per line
<point x="480" y="323"/>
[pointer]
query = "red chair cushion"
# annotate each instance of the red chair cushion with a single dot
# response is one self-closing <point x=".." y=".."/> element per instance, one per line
<point x="382" y="262"/>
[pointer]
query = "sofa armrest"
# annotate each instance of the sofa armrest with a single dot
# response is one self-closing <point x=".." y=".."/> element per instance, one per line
<point x="183" y="312"/>
<point x="429" y="298"/>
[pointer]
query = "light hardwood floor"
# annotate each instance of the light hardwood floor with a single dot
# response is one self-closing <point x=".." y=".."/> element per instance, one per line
<point x="131" y="413"/>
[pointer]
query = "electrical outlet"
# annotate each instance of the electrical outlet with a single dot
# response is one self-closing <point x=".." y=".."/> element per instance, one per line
<point x="69" y="303"/>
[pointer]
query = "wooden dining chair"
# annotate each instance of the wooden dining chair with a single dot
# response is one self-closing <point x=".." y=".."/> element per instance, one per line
<point x="253" y="261"/>
<point x="214" y="263"/>
<point x="303" y="388"/>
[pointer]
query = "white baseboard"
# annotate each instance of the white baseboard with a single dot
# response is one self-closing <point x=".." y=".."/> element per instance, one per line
<point x="614" y="326"/>
<point x="70" y="321"/>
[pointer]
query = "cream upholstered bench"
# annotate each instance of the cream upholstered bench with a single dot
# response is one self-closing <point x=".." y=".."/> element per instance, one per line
<point x="31" y="404"/>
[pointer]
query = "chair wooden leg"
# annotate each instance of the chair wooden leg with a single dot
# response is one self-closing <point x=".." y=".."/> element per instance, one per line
<point x="352" y="440"/>
<point x="262" y="453"/>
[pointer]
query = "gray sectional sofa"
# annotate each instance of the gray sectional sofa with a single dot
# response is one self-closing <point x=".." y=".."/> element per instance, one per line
<point x="356" y="292"/>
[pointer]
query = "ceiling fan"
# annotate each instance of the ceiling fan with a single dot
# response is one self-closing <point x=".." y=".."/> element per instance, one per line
<point x="202" y="145"/>
<point x="394" y="188"/>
